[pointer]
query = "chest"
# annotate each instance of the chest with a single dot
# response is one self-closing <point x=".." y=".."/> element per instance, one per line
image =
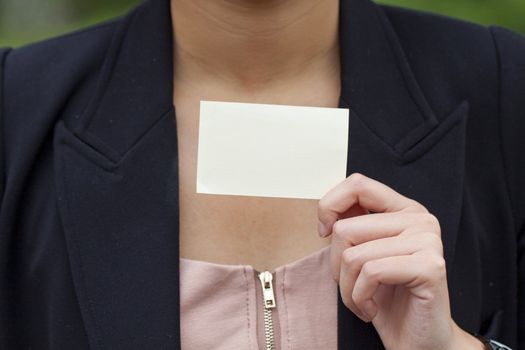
<point x="262" y="232"/>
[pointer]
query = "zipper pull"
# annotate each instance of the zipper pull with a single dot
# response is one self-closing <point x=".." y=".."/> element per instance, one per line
<point x="267" y="288"/>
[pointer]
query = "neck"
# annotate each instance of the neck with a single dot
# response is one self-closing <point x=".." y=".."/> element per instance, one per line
<point x="254" y="45"/>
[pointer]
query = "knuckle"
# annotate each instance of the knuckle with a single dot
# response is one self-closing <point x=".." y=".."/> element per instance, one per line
<point x="348" y="301"/>
<point x="352" y="257"/>
<point x="431" y="220"/>
<point x="356" y="297"/>
<point x="357" y="180"/>
<point x="370" y="270"/>
<point x="421" y="208"/>
<point x="322" y="205"/>
<point x="439" y="265"/>
<point x="416" y="207"/>
<point x="338" y="229"/>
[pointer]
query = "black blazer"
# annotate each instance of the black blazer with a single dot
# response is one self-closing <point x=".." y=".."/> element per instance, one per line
<point x="89" y="171"/>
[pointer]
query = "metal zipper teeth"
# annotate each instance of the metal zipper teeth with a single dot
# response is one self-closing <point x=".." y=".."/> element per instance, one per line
<point x="268" y="304"/>
<point x="268" y="329"/>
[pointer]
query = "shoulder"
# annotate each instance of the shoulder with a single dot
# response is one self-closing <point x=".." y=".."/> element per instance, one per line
<point x="441" y="33"/>
<point x="31" y="70"/>
<point x="457" y="46"/>
<point x="448" y="55"/>
<point x="69" y="46"/>
<point x="430" y="30"/>
<point x="49" y="70"/>
<point x="456" y="60"/>
<point x="39" y="81"/>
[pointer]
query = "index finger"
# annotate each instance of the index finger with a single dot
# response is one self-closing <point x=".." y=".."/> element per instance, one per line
<point x="365" y="192"/>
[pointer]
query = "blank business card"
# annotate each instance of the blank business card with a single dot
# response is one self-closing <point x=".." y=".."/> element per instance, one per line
<point x="269" y="150"/>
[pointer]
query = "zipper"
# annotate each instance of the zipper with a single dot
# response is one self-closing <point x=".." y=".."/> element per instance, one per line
<point x="269" y="303"/>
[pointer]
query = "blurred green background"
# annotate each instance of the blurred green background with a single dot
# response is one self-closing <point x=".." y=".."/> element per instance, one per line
<point x="23" y="21"/>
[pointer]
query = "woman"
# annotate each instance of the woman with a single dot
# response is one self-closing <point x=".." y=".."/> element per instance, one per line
<point x="425" y="249"/>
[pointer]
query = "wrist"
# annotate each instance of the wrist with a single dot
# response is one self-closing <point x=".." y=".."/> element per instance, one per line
<point x="463" y="340"/>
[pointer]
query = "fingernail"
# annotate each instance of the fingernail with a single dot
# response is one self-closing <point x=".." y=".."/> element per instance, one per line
<point x="323" y="230"/>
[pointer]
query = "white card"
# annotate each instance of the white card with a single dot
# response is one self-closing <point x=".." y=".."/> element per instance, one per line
<point x="270" y="150"/>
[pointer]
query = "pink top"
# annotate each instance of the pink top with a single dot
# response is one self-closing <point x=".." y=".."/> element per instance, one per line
<point x="222" y="305"/>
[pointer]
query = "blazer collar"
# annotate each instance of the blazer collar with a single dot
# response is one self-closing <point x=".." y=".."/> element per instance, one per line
<point x="139" y="64"/>
<point x="117" y="170"/>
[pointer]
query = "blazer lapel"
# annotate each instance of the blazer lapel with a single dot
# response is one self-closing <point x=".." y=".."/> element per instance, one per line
<point x="117" y="170"/>
<point x="117" y="180"/>
<point x="395" y="137"/>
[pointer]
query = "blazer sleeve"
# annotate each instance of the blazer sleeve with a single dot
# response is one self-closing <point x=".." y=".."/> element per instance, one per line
<point x="511" y="51"/>
<point x="3" y="55"/>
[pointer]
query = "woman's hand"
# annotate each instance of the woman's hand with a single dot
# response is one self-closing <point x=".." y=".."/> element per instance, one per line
<point x="390" y="266"/>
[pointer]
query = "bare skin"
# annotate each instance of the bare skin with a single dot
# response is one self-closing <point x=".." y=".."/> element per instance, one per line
<point x="267" y="60"/>
<point x="275" y="51"/>
<point x="390" y="265"/>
